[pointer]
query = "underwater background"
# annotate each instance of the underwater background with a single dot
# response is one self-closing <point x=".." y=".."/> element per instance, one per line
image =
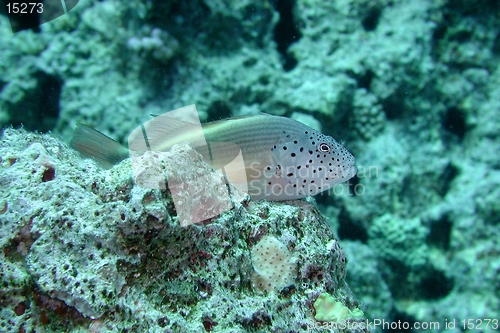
<point x="412" y="89"/>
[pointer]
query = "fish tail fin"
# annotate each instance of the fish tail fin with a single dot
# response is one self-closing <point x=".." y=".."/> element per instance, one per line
<point x="97" y="146"/>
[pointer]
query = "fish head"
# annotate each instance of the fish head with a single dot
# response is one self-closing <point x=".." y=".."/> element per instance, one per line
<point x="310" y="163"/>
<point x="332" y="163"/>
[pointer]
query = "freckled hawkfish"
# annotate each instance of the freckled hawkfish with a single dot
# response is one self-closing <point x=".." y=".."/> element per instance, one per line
<point x="283" y="159"/>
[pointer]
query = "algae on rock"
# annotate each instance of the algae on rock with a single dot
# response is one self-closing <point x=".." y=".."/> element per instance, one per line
<point x="92" y="246"/>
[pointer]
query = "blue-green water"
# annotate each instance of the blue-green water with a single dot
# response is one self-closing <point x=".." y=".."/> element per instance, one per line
<point x="409" y="87"/>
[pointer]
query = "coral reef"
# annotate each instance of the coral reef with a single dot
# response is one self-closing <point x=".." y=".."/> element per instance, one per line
<point x="85" y="248"/>
<point x="273" y="264"/>
<point x="327" y="309"/>
<point x="410" y="86"/>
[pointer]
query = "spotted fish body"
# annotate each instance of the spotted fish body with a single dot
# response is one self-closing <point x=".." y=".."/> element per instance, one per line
<point x="283" y="158"/>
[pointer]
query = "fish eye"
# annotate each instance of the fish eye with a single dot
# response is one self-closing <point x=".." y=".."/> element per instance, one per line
<point x="323" y="147"/>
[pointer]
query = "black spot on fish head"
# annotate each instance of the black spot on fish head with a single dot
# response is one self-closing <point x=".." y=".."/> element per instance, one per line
<point x="336" y="160"/>
<point x="327" y="161"/>
<point x="313" y="162"/>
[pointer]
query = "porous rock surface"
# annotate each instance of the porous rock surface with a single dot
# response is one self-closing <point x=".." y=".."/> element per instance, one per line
<point x="85" y="249"/>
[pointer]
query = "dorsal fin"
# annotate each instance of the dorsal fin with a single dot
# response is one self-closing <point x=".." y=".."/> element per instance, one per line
<point x="160" y="133"/>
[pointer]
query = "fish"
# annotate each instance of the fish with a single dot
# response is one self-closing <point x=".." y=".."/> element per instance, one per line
<point x="283" y="159"/>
